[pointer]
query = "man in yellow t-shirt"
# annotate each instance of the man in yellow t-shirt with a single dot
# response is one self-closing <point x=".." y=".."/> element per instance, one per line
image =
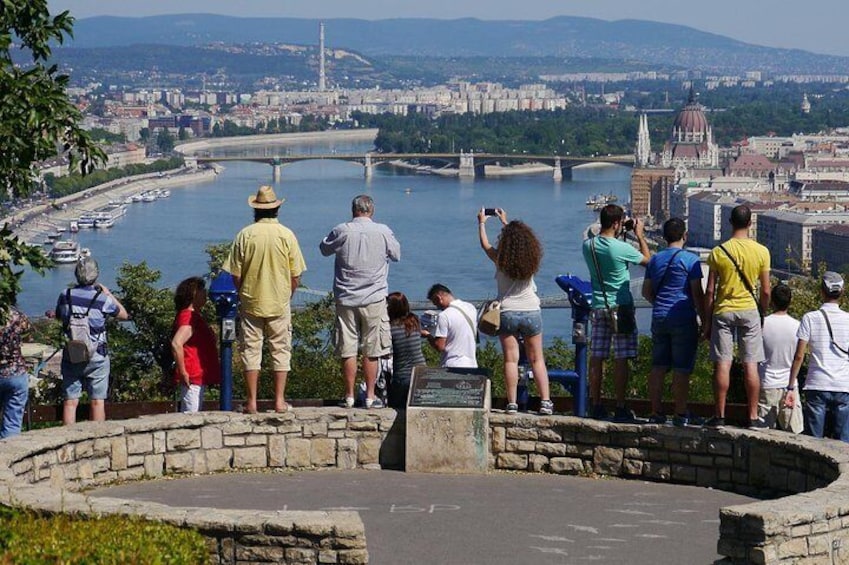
<point x="266" y="263"/>
<point x="733" y="305"/>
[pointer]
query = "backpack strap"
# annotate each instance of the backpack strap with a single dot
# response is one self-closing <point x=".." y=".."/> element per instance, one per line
<point x="831" y="334"/>
<point x="71" y="314"/>
<point x="598" y="272"/>
<point x="666" y="272"/>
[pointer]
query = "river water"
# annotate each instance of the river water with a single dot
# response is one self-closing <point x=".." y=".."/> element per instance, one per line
<point x="433" y="217"/>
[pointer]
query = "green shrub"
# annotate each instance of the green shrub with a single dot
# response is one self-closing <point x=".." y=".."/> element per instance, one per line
<point x="28" y="538"/>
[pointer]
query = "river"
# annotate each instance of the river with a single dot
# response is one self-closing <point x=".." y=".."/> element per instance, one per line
<point x="433" y="217"/>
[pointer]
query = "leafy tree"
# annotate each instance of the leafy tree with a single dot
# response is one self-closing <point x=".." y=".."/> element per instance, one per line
<point x="182" y="134"/>
<point x="37" y="122"/>
<point x="165" y="141"/>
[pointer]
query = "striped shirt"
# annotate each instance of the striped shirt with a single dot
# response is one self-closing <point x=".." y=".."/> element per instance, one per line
<point x="406" y="353"/>
<point x="828" y="367"/>
<point x="81" y="297"/>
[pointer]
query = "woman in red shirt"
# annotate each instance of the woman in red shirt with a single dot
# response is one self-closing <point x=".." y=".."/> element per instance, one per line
<point x="193" y="344"/>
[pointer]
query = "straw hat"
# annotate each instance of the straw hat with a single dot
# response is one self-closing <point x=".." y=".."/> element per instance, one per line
<point x="265" y="198"/>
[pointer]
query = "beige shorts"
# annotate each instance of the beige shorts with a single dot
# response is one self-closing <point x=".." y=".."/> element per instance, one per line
<point x="277" y="331"/>
<point x="363" y="328"/>
<point x="746" y="324"/>
<point x="769" y="404"/>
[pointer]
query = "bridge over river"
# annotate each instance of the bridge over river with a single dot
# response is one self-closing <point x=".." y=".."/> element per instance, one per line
<point x="463" y="165"/>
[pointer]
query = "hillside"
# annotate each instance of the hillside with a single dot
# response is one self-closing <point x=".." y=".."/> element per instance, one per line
<point x="631" y="40"/>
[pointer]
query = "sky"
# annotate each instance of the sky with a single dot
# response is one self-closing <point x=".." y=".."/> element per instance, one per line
<point x="813" y="25"/>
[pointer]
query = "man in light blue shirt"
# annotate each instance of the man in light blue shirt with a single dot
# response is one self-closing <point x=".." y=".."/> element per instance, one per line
<point x="608" y="259"/>
<point x="363" y="250"/>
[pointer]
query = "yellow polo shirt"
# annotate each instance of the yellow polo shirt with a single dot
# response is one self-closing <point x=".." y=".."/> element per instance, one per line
<point x="731" y="293"/>
<point x="265" y="256"/>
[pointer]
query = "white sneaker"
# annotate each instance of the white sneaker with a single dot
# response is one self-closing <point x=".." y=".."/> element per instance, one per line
<point x="347" y="402"/>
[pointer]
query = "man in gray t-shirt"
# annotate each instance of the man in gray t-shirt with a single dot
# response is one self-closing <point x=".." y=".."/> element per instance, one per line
<point x="363" y="250"/>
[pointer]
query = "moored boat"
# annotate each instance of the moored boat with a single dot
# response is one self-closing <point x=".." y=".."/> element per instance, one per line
<point x="65" y="251"/>
<point x="86" y="221"/>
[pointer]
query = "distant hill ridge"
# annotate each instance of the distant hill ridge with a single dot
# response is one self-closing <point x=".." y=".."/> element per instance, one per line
<point x="564" y="36"/>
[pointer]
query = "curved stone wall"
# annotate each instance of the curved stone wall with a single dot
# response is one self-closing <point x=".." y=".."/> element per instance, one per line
<point x="805" y="520"/>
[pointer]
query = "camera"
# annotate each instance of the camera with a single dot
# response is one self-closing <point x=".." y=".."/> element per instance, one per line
<point x="629" y="224"/>
<point x="490" y="211"/>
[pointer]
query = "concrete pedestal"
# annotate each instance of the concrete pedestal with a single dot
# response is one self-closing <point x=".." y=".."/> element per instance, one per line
<point x="448" y="440"/>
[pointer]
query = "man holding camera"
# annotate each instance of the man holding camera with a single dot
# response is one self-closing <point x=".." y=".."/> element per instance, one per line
<point x="612" y="317"/>
<point x="455" y="333"/>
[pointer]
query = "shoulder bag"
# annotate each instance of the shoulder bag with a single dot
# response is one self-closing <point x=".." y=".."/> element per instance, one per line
<point x="489" y="318"/>
<point x="746" y="282"/>
<point x="831" y="334"/>
<point x="622" y="318"/>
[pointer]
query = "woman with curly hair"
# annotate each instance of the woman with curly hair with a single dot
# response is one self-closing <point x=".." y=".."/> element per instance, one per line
<point x="194" y="346"/>
<point x="517" y="257"/>
<point x="406" y="347"/>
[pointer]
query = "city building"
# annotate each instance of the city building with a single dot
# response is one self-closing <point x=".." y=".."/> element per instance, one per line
<point x="788" y="235"/>
<point x="830" y="247"/>
<point x="691" y="144"/>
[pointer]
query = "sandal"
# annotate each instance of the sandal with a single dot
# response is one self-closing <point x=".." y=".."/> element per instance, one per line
<point x="286" y="408"/>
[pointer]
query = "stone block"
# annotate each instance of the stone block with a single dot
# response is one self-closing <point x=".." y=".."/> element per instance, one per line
<point x="537" y="463"/>
<point x="181" y="440"/>
<point x="368" y="451"/>
<point x="327" y="556"/>
<point x="119" y="453"/>
<point x="180" y="462"/>
<point x="323" y="452"/>
<point x="135" y="460"/>
<point x="297" y="452"/>
<point x="65" y="454"/>
<point x="657" y="471"/>
<point x="818" y="545"/>
<point x="706" y="477"/>
<point x="346" y="454"/>
<point x="353" y="556"/>
<point x="608" y="460"/>
<point x="566" y="465"/>
<point x="362" y="427"/>
<point x="318" y="429"/>
<point x="154" y="466"/>
<point x="550" y="435"/>
<point x="793" y="548"/>
<point x="276" y="451"/>
<point x="522" y="433"/>
<point x="550" y="449"/>
<point x="250" y="458"/>
<point x="256" y="439"/>
<point x="138" y="444"/>
<point x="234" y="441"/>
<point x="102" y="447"/>
<point x="159" y="444"/>
<point x="497" y="442"/>
<point x="514" y="461"/>
<point x="260" y="554"/>
<point x="219" y="460"/>
<point x="84" y="449"/>
<point x="517" y="446"/>
<point x="632" y="467"/>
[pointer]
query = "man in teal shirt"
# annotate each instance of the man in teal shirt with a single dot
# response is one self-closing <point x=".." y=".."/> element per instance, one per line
<point x="608" y="260"/>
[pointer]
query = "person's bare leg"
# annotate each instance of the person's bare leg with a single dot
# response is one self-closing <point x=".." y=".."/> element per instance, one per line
<point x="680" y="391"/>
<point x="349" y="374"/>
<point x="251" y="383"/>
<point x="69" y="412"/>
<point x="595" y="371"/>
<point x="620" y="380"/>
<point x="370" y="365"/>
<point x="534" y="353"/>
<point x="510" y="349"/>
<point x="752" y="383"/>
<point x="656" y="378"/>
<point x="280" y="377"/>
<point x="721" y="377"/>
<point x="98" y="410"/>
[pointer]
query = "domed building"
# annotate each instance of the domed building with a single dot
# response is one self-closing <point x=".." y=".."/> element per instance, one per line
<point x="691" y="144"/>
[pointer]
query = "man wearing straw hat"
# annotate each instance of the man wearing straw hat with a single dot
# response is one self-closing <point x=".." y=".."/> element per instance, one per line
<point x="266" y="263"/>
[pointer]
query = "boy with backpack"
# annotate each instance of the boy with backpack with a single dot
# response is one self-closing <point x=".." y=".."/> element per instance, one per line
<point x="83" y="309"/>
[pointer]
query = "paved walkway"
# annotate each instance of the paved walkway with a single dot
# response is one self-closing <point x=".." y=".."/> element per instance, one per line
<point x="495" y="519"/>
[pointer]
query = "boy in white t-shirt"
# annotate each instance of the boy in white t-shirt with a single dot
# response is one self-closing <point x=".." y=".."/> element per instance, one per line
<point x="779" y="335"/>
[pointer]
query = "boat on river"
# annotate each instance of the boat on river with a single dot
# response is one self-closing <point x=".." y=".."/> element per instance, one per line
<point x="86" y="221"/>
<point x="65" y="251"/>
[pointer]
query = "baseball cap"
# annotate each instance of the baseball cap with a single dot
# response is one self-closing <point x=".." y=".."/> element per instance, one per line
<point x="832" y="282"/>
<point x="86" y="271"/>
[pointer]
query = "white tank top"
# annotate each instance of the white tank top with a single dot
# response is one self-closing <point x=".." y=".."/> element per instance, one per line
<point x="516" y="296"/>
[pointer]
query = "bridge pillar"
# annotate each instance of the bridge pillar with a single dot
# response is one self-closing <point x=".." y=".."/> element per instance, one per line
<point x="467" y="165"/>
<point x="558" y="170"/>
<point x="368" y="168"/>
<point x="275" y="172"/>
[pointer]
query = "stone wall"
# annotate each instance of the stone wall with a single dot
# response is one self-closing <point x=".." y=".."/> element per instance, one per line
<point x="804" y="520"/>
<point x="46" y="470"/>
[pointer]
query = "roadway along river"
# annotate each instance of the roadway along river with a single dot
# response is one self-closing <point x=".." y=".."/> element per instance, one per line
<point x="434" y="218"/>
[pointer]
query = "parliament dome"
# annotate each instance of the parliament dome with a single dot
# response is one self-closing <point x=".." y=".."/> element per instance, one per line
<point x="691" y="119"/>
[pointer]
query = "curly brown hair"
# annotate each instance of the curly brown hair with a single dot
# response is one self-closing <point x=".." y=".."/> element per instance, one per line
<point x="186" y="291"/>
<point x="519" y="251"/>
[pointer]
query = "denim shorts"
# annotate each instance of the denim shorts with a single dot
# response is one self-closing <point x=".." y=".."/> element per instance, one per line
<point x="674" y="345"/>
<point x="525" y="323"/>
<point x="94" y="375"/>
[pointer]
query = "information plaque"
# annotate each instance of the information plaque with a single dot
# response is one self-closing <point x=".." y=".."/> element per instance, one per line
<point x="438" y="387"/>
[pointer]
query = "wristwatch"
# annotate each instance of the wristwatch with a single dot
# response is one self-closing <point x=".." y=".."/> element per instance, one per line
<point x="790" y="388"/>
